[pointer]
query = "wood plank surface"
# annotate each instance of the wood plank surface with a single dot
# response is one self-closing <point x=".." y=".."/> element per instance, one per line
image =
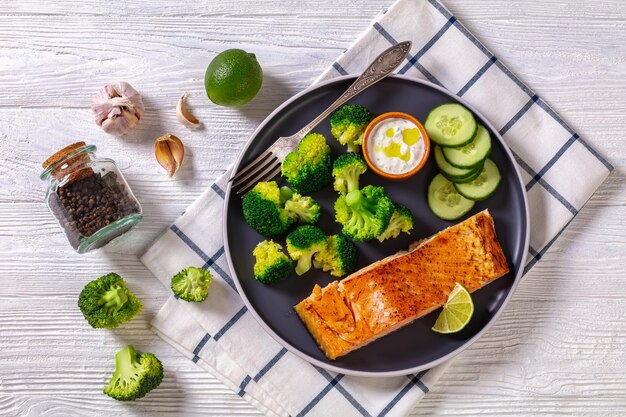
<point x="558" y="349"/>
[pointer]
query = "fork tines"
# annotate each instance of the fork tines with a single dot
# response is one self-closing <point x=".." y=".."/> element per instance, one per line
<point x="263" y="168"/>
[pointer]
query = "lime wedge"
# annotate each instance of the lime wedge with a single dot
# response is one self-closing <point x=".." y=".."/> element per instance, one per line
<point x="457" y="311"/>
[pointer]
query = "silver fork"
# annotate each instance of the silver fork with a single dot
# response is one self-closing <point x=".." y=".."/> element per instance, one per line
<point x="267" y="165"/>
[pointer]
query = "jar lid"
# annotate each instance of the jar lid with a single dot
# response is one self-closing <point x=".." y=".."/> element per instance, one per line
<point x="70" y="162"/>
<point x="60" y="155"/>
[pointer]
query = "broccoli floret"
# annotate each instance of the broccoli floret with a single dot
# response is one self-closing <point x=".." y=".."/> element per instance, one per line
<point x="308" y="168"/>
<point x="192" y="284"/>
<point x="271" y="210"/>
<point x="401" y="222"/>
<point x="364" y="214"/>
<point x="106" y="302"/>
<point x="303" y="243"/>
<point x="302" y="209"/>
<point x="339" y="257"/>
<point x="263" y="209"/>
<point x="135" y="375"/>
<point x="348" y="124"/>
<point x="272" y="265"/>
<point x="346" y="170"/>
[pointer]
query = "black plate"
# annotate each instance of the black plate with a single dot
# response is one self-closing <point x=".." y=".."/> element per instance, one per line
<point x="415" y="347"/>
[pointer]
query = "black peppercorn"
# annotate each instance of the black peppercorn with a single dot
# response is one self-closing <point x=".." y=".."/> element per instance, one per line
<point x="91" y="203"/>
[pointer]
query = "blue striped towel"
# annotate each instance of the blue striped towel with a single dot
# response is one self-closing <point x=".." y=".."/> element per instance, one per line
<point x="219" y="334"/>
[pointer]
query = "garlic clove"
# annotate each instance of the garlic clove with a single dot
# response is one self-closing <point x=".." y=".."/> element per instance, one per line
<point x="112" y="91"/>
<point x="170" y="153"/>
<point x="184" y="116"/>
<point x="131" y="119"/>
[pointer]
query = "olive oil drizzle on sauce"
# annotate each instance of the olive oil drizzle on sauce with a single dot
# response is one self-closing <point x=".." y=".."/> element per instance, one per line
<point x="394" y="150"/>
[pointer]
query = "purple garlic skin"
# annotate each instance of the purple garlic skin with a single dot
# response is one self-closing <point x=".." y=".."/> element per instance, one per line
<point x="117" y="108"/>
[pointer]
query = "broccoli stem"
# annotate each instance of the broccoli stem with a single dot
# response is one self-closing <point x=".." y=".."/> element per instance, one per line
<point x="114" y="299"/>
<point x="353" y="198"/>
<point x="352" y="147"/>
<point x="353" y="180"/>
<point x="191" y="282"/>
<point x="126" y="364"/>
<point x="356" y="201"/>
<point x="301" y="212"/>
<point x="304" y="264"/>
<point x="285" y="194"/>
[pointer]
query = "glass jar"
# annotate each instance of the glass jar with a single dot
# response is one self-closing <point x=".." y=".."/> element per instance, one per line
<point x="89" y="197"/>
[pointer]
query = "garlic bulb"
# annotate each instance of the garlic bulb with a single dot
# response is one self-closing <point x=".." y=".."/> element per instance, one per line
<point x="118" y="108"/>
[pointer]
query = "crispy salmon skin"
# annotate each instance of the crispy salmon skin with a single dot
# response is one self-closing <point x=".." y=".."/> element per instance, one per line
<point x="391" y="293"/>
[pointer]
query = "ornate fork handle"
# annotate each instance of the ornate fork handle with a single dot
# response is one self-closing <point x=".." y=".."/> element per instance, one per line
<point x="383" y="65"/>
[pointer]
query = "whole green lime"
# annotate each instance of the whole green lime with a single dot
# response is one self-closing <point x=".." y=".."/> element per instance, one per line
<point x="233" y="78"/>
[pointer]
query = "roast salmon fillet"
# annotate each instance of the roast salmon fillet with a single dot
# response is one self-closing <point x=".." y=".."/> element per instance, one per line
<point x="391" y="293"/>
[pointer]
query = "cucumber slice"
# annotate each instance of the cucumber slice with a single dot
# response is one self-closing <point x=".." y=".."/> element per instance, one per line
<point x="450" y="125"/>
<point x="448" y="170"/>
<point x="471" y="177"/>
<point x="484" y="185"/>
<point x="444" y="201"/>
<point x="472" y="154"/>
<point x="454" y="174"/>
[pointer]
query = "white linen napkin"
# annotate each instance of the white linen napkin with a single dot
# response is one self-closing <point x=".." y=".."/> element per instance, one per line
<point x="221" y="336"/>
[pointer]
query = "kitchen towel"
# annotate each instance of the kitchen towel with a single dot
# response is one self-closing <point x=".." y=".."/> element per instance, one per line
<point x="221" y="336"/>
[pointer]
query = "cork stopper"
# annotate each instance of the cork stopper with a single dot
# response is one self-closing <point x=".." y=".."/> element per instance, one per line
<point x="60" y="155"/>
<point x="72" y="166"/>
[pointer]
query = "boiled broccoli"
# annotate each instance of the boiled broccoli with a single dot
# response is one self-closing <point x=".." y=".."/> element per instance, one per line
<point x="308" y="168"/>
<point x="302" y="209"/>
<point x="192" y="284"/>
<point x="262" y="209"/>
<point x="272" y="265"/>
<point x="303" y="243"/>
<point x="106" y="302"/>
<point x="346" y="170"/>
<point x="339" y="257"/>
<point x="401" y="222"/>
<point x="135" y="375"/>
<point x="364" y="214"/>
<point x="348" y="124"/>
<point x="271" y="210"/>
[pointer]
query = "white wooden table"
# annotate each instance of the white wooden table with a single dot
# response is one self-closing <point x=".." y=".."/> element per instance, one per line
<point x="557" y="349"/>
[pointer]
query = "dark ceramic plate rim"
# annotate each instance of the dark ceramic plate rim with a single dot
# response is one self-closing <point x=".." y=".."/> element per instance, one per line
<point x="399" y="372"/>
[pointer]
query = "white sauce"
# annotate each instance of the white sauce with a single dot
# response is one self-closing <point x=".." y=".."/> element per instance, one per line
<point x="391" y="150"/>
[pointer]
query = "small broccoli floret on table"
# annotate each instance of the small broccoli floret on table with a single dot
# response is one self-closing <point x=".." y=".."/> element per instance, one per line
<point x="346" y="170"/>
<point x="401" y="222"/>
<point x="302" y="209"/>
<point x="263" y="209"/>
<point x="308" y="168"/>
<point x="348" y="124"/>
<point x="339" y="257"/>
<point x="106" y="302"/>
<point x="364" y="214"/>
<point x="135" y="375"/>
<point x="303" y="243"/>
<point x="192" y="284"/>
<point x="272" y="264"/>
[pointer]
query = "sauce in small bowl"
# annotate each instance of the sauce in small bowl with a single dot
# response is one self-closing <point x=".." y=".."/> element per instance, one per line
<point x="396" y="145"/>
